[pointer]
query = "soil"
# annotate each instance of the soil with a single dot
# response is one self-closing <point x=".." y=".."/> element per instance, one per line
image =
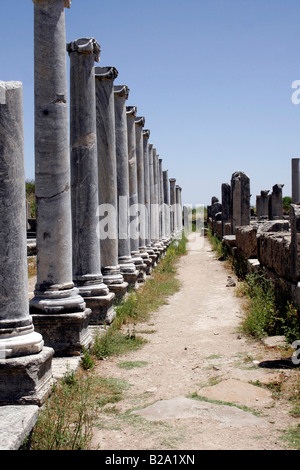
<point x="195" y="349"/>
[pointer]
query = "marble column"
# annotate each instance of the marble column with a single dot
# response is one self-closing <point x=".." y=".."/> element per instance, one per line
<point x="164" y="238"/>
<point x="262" y="205"/>
<point x="87" y="274"/>
<point x="166" y="191"/>
<point x="139" y="125"/>
<point x="240" y="200"/>
<point x="59" y="311"/>
<point x="275" y="203"/>
<point x="179" y="210"/>
<point x="173" y="211"/>
<point x="133" y="193"/>
<point x="147" y="149"/>
<point x="226" y="224"/>
<point x="153" y="211"/>
<point x="295" y="180"/>
<point x="107" y="180"/>
<point x="25" y="364"/>
<point x="128" y="268"/>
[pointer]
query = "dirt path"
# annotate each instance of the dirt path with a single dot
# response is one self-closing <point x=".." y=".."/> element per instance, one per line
<point x="194" y="346"/>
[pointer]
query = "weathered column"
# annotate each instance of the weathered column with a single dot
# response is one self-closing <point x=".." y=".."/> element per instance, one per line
<point x="25" y="364"/>
<point x="155" y="206"/>
<point x="107" y="180"/>
<point x="152" y="203"/>
<point x="262" y="205"/>
<point x="59" y="311"/>
<point x="161" y="204"/>
<point x="128" y="268"/>
<point x="87" y="274"/>
<point x="173" y="212"/>
<point x="275" y="202"/>
<point x="139" y="124"/>
<point x="166" y="191"/>
<point x="133" y="193"/>
<point x="295" y="180"/>
<point x="147" y="147"/>
<point x="226" y="225"/>
<point x="240" y="200"/>
<point x="179" y="210"/>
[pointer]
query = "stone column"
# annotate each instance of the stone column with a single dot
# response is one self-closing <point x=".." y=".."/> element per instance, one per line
<point x="59" y="311"/>
<point x="25" y="364"/>
<point x="226" y="225"/>
<point x="87" y="274"/>
<point x="166" y="191"/>
<point x="173" y="212"/>
<point x="128" y="268"/>
<point x="152" y="204"/>
<point x="295" y="180"/>
<point x="161" y="203"/>
<point x="179" y="210"/>
<point x="133" y="193"/>
<point x="107" y="180"/>
<point x="262" y="205"/>
<point x="147" y="149"/>
<point x="275" y="203"/>
<point x="155" y="206"/>
<point x="240" y="200"/>
<point x="139" y="124"/>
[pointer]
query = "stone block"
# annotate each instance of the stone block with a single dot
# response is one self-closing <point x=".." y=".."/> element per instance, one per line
<point x="246" y="240"/>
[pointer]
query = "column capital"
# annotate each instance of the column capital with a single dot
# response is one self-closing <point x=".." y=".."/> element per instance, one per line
<point x="67" y="3"/>
<point x="88" y="46"/>
<point x="106" y="73"/>
<point x="146" y="133"/>
<point x="122" y="91"/>
<point x="172" y="180"/>
<point x="131" y="110"/>
<point x="140" y="121"/>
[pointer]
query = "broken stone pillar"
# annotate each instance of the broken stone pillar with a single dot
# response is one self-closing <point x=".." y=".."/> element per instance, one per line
<point x="127" y="266"/>
<point x="173" y="212"/>
<point x="226" y="226"/>
<point x="240" y="200"/>
<point x="25" y="364"/>
<point x="262" y="205"/>
<point x="133" y="194"/>
<point x="295" y="180"/>
<point x="166" y="192"/>
<point x="275" y="203"/>
<point x="87" y="274"/>
<point x="295" y="243"/>
<point x="139" y="125"/>
<point x="107" y="180"/>
<point x="147" y="192"/>
<point x="58" y="310"/>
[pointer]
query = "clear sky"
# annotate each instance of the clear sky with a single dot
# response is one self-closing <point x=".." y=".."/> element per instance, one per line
<point x="213" y="79"/>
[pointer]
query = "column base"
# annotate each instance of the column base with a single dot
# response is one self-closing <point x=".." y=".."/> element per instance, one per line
<point x="102" y="309"/>
<point x="54" y="301"/>
<point x="113" y="278"/>
<point x="26" y="380"/>
<point x="66" y="333"/>
<point x="140" y="266"/>
<point x="129" y="271"/>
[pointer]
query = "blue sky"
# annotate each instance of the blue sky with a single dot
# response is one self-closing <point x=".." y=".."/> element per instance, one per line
<point x="213" y="79"/>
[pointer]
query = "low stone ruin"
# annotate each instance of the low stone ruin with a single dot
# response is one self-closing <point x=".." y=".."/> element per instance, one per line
<point x="268" y="240"/>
